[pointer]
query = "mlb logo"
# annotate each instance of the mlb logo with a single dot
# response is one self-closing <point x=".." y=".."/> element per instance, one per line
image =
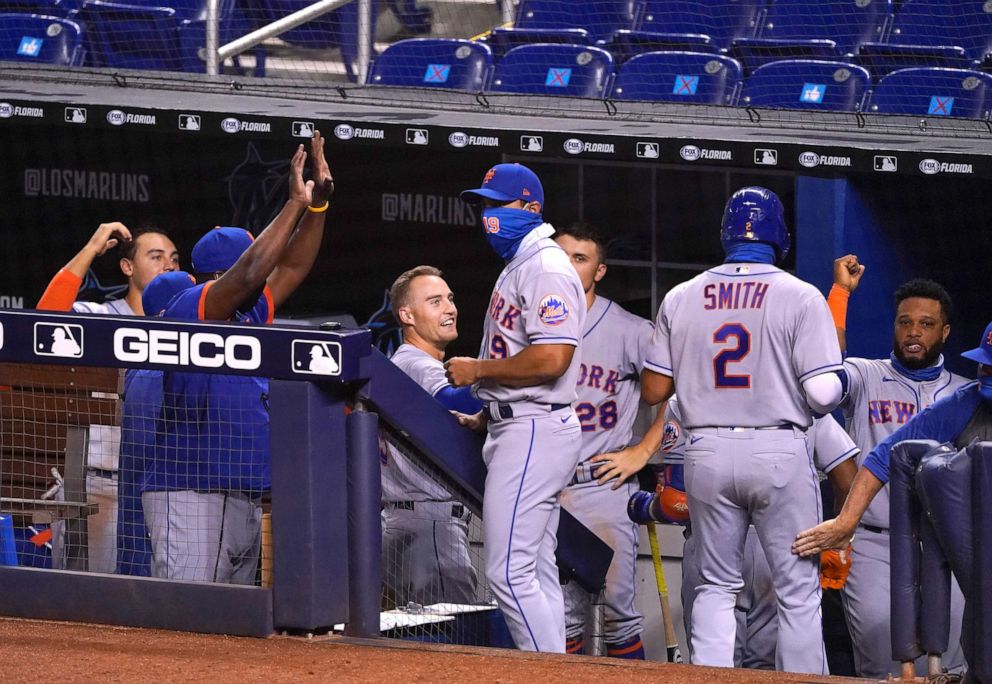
<point x="558" y="77"/>
<point x="189" y="122"/>
<point x="648" y="150"/>
<point x="417" y="136"/>
<point x="941" y="106"/>
<point x="766" y="157"/>
<point x="887" y="163"/>
<point x="531" y="143"/>
<point x="685" y="85"/>
<point x="57" y="339"/>
<point x="76" y="115"/>
<point x="437" y="73"/>
<point x="813" y="93"/>
<point x="30" y="47"/>
<point x="317" y="357"/>
<point x="303" y="129"/>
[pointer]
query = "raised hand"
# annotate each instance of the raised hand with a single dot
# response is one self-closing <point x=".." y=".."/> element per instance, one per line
<point x="848" y="272"/>
<point x="108" y="236"/>
<point x="323" y="181"/>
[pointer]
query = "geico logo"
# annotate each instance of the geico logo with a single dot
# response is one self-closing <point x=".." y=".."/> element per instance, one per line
<point x="205" y="350"/>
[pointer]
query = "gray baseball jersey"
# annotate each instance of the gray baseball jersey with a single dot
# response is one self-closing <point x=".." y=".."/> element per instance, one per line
<point x="425" y="555"/>
<point x="538" y="299"/>
<point x="614" y="343"/>
<point x="879" y="401"/>
<point x="744" y="337"/>
<point x="531" y="456"/>
<point x="118" y="307"/>
<point x="401" y="479"/>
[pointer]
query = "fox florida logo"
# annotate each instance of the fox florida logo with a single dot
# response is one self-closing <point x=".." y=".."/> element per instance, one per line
<point x="175" y="348"/>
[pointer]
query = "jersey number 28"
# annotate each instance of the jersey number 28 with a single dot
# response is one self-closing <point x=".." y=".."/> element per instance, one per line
<point x="738" y="341"/>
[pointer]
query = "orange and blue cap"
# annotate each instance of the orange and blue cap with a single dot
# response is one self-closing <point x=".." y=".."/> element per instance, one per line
<point x="983" y="352"/>
<point x="508" y="182"/>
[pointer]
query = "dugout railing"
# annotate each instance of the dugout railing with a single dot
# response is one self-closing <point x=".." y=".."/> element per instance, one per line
<point x="326" y="566"/>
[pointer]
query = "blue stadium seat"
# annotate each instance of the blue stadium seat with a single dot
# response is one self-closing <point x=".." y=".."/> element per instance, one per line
<point x="679" y="77"/>
<point x="502" y="40"/>
<point x="934" y="92"/>
<point x="964" y="23"/>
<point x="543" y="69"/>
<point x="600" y="17"/>
<point x="144" y="34"/>
<point x="624" y="44"/>
<point x="433" y="63"/>
<point x="40" y="39"/>
<point x="754" y="52"/>
<point x="807" y="84"/>
<point x="721" y="20"/>
<point x="336" y="29"/>
<point x="50" y="8"/>
<point x="881" y="59"/>
<point x="847" y="22"/>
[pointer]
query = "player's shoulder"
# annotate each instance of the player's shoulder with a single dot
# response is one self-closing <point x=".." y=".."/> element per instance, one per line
<point x="863" y="364"/>
<point x="186" y="304"/>
<point x="407" y="356"/>
<point x="955" y="381"/>
<point x="551" y="258"/>
<point x="619" y="316"/>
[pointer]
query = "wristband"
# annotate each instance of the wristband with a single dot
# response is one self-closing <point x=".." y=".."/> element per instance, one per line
<point x="321" y="209"/>
<point x="837" y="302"/>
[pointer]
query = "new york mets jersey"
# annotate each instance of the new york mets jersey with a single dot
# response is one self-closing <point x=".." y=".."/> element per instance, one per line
<point x="739" y="340"/>
<point x="538" y="299"/>
<point x="614" y="344"/>
<point x="880" y="400"/>
<point x="401" y="479"/>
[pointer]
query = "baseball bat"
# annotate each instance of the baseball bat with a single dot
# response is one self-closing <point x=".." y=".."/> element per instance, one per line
<point x="671" y="641"/>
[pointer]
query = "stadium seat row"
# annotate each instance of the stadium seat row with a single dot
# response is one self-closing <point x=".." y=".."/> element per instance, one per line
<point x="965" y="24"/>
<point x="684" y="77"/>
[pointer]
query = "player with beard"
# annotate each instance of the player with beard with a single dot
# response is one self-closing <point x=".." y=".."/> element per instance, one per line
<point x="883" y="395"/>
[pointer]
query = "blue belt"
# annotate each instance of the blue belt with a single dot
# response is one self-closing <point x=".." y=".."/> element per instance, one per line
<point x="873" y="528"/>
<point x="506" y="410"/>
<point x="457" y="510"/>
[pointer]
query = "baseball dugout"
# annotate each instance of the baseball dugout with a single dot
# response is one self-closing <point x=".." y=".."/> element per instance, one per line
<point x="62" y="407"/>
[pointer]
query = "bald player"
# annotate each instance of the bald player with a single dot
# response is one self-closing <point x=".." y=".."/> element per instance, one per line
<point x="882" y="396"/>
<point x="614" y="344"/>
<point x="757" y="350"/>
<point x="424" y="529"/>
<point x="526" y="376"/>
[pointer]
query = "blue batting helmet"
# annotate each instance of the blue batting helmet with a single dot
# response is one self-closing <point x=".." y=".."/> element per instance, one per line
<point x="755" y="214"/>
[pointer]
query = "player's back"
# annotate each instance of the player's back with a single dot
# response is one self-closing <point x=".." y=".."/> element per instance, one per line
<point x="743" y="337"/>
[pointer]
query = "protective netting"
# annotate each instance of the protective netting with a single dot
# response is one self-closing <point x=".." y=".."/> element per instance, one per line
<point x="121" y="472"/>
<point x="919" y="57"/>
<point x="434" y="586"/>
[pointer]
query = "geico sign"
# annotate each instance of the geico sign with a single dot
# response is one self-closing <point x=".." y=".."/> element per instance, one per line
<point x="202" y="349"/>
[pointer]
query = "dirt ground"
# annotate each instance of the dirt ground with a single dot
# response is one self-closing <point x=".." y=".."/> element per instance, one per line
<point x="34" y="650"/>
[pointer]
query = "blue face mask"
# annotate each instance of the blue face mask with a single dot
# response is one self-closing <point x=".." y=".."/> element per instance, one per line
<point x="505" y="228"/>
<point x="985" y="387"/>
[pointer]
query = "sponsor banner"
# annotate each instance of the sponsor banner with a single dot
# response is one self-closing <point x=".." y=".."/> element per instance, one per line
<point x="579" y="146"/>
<point x="125" y="342"/>
<point x="234" y="124"/>
<point x="478" y="139"/>
<point x="358" y="132"/>
<point x="932" y="167"/>
<point x="14" y="110"/>
<point x="692" y="153"/>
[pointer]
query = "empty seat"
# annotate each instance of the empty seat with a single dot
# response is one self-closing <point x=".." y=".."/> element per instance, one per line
<point x="678" y="77"/>
<point x="336" y="29"/>
<point x="846" y="22"/>
<point x="624" y="44"/>
<point x="502" y="40"/>
<point x="881" y="59"/>
<point x="964" y="23"/>
<point x="754" y="52"/>
<point x="433" y="63"/>
<point x="934" y="92"/>
<point x="721" y="20"/>
<point x="807" y="84"/>
<point x="40" y="39"/>
<point x="144" y="34"/>
<point x="543" y="69"/>
<point x="50" y="8"/>
<point x="600" y="18"/>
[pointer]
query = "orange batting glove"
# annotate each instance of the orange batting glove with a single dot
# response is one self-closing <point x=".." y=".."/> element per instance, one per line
<point x="835" y="565"/>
